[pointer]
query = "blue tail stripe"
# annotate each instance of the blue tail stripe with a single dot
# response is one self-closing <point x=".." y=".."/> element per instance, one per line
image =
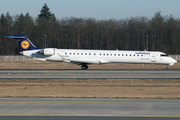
<point x="24" y="42"/>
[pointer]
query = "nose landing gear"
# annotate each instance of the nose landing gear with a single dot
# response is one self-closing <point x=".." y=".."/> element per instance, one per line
<point x="84" y="67"/>
<point x="166" y="68"/>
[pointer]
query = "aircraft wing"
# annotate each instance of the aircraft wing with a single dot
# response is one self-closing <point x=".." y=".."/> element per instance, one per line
<point x="85" y="61"/>
<point x="79" y="62"/>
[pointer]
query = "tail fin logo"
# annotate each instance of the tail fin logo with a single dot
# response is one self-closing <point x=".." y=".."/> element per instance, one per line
<point x="25" y="44"/>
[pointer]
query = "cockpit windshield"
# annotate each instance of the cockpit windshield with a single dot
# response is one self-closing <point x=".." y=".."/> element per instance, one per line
<point x="164" y="55"/>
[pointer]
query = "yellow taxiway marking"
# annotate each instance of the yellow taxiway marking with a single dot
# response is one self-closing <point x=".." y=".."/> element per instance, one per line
<point x="88" y="115"/>
<point x="95" y="103"/>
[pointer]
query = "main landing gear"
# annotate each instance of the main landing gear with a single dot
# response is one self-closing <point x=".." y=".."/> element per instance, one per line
<point x="166" y="68"/>
<point x="84" y="67"/>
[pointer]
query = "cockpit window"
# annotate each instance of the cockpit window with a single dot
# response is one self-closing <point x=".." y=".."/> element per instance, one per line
<point x="164" y="55"/>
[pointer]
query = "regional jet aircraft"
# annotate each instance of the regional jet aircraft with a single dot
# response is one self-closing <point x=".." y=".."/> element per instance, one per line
<point x="85" y="57"/>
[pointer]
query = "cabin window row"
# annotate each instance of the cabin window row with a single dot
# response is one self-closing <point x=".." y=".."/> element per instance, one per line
<point x="107" y="54"/>
<point x="79" y="54"/>
<point x="123" y="55"/>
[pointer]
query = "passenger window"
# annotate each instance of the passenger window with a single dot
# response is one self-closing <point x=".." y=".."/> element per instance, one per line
<point x="107" y="54"/>
<point x="122" y="54"/>
<point x="138" y="55"/>
<point x="134" y="54"/>
<point x="77" y="53"/>
<point x="70" y="53"/>
<point x="130" y="55"/>
<point x="94" y="53"/>
<point x="81" y="53"/>
<point x="126" y="55"/>
<point x="65" y="53"/>
<point x="114" y="54"/>
<point x="104" y="54"/>
<point x="100" y="54"/>
<point x="118" y="54"/>
<point x="74" y="53"/>
<point x="89" y="53"/>
<point x="141" y="55"/>
<point x="111" y="54"/>
<point x="85" y="53"/>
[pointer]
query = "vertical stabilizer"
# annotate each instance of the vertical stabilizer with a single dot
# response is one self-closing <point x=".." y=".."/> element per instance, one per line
<point x="24" y="42"/>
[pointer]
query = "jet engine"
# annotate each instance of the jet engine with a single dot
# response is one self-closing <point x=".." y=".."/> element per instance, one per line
<point x="47" y="51"/>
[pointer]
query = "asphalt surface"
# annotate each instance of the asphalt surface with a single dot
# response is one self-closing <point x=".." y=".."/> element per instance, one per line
<point x="80" y="109"/>
<point x="88" y="109"/>
<point x="92" y="76"/>
<point x="83" y="118"/>
<point x="84" y="107"/>
<point x="89" y="74"/>
<point x="100" y="71"/>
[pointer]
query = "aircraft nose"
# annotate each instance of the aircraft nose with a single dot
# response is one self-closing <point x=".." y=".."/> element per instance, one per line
<point x="173" y="61"/>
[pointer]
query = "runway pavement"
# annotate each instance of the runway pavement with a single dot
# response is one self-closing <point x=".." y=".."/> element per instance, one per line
<point x="83" y="118"/>
<point x="92" y="76"/>
<point x="79" y="108"/>
<point x="89" y="74"/>
<point x="100" y="71"/>
<point x="90" y="107"/>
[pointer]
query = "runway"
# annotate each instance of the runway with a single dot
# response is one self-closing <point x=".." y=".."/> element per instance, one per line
<point x="89" y="74"/>
<point x="89" y="107"/>
<point x="100" y="71"/>
<point x="84" y="118"/>
<point x="94" y="76"/>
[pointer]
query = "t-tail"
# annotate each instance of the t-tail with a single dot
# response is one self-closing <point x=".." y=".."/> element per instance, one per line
<point x="24" y="42"/>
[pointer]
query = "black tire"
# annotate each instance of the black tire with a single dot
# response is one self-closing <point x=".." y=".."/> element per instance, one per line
<point x="84" y="67"/>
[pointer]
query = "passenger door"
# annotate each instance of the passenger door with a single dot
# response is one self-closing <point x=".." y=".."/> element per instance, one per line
<point x="153" y="57"/>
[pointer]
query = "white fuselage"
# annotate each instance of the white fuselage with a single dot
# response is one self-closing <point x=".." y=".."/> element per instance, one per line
<point x="79" y="57"/>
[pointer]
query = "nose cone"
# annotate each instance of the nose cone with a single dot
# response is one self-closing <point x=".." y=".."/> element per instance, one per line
<point x="173" y="61"/>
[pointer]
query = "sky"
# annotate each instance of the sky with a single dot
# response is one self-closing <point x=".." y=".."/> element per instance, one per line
<point x="97" y="9"/>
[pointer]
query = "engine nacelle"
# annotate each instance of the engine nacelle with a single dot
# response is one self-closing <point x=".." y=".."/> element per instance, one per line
<point x="47" y="51"/>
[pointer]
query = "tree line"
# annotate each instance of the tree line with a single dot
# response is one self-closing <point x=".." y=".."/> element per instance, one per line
<point x="87" y="33"/>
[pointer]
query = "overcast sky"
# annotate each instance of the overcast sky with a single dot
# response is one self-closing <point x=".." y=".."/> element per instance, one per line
<point x="98" y="9"/>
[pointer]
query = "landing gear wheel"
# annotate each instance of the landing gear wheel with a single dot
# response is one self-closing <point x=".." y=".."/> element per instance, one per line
<point x="84" y="67"/>
<point x="166" y="68"/>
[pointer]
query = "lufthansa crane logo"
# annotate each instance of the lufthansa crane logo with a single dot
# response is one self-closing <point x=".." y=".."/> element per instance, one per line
<point x="25" y="44"/>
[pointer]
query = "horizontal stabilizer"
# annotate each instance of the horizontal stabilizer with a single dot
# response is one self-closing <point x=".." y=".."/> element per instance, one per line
<point x="16" y="36"/>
